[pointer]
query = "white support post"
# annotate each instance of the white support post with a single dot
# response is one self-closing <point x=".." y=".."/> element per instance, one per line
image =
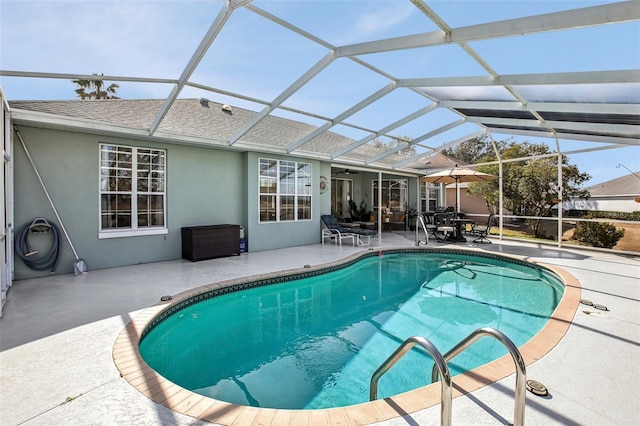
<point x="500" y="217"/>
<point x="380" y="205"/>
<point x="560" y="193"/>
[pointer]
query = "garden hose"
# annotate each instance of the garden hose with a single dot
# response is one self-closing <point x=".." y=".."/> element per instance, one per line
<point x="30" y="257"/>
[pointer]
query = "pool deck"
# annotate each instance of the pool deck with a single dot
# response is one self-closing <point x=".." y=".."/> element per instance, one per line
<point x="57" y="340"/>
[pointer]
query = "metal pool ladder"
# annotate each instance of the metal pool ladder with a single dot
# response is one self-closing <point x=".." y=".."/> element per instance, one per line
<point x="420" y="224"/>
<point x="440" y="368"/>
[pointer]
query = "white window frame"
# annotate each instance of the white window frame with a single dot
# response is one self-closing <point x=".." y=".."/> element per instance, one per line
<point x="399" y="185"/>
<point x="299" y="187"/>
<point x="134" y="230"/>
<point x="341" y="190"/>
<point x="429" y="192"/>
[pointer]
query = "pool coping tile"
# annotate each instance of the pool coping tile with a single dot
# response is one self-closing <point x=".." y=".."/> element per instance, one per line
<point x="137" y="373"/>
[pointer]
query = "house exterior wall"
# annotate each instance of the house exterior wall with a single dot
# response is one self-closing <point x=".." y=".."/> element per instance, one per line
<point x="469" y="204"/>
<point x="274" y="235"/>
<point x="6" y="197"/>
<point x="204" y="187"/>
<point x="612" y="203"/>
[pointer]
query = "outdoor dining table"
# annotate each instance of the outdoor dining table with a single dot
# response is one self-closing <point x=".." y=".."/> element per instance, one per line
<point x="458" y="228"/>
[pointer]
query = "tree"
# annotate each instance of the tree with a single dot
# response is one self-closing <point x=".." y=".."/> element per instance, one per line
<point x="474" y="150"/>
<point x="93" y="89"/>
<point x="408" y="152"/>
<point x="529" y="186"/>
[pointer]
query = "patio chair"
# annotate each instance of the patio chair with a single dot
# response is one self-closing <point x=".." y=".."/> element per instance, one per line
<point x="444" y="226"/>
<point x="481" y="230"/>
<point x="348" y="222"/>
<point x="332" y="229"/>
<point x="429" y="224"/>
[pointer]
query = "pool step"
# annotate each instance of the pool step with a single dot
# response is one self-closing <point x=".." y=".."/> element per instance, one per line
<point x="440" y="369"/>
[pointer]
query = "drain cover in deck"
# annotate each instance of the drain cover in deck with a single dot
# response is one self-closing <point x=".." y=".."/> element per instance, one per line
<point x="537" y="388"/>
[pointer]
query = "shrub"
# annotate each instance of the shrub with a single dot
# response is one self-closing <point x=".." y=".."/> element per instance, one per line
<point x="600" y="214"/>
<point x="613" y="215"/>
<point x="598" y="234"/>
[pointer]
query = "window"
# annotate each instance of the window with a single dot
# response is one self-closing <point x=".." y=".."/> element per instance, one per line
<point x="132" y="191"/>
<point x="285" y="191"/>
<point x="341" y="195"/>
<point x="429" y="196"/>
<point x="394" y="194"/>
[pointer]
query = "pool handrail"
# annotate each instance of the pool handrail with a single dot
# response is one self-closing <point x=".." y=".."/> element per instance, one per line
<point x="521" y="369"/>
<point x="439" y="363"/>
<point x="417" y="232"/>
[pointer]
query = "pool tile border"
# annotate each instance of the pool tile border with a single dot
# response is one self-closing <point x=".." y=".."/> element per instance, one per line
<point x="137" y="373"/>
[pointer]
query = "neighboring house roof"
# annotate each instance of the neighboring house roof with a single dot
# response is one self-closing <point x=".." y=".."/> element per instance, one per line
<point x="625" y="185"/>
<point x="440" y="161"/>
<point x="197" y="121"/>
<point x="618" y="195"/>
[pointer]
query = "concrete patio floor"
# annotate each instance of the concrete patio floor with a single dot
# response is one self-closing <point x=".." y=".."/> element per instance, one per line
<point x="57" y="336"/>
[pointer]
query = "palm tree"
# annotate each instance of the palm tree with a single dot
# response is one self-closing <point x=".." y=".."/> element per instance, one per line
<point x="93" y="89"/>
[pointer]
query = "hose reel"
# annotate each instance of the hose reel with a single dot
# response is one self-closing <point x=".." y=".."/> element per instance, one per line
<point x="31" y="257"/>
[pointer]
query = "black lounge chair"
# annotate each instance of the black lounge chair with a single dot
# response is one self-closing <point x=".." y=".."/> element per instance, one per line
<point x="332" y="229"/>
<point x="348" y="222"/>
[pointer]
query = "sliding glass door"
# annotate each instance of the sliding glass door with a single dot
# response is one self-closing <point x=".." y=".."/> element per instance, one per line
<point x="341" y="190"/>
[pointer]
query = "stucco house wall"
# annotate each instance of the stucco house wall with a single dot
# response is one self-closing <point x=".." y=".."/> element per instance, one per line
<point x="205" y="186"/>
<point x="274" y="235"/>
<point x="616" y="195"/>
<point x="469" y="204"/>
<point x="209" y="178"/>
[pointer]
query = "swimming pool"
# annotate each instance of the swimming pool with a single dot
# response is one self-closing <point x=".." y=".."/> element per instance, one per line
<point x="326" y="332"/>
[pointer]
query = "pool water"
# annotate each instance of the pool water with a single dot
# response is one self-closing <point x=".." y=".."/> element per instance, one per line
<point x="315" y="342"/>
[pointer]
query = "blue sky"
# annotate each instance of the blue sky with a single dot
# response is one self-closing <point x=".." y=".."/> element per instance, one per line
<point x="258" y="58"/>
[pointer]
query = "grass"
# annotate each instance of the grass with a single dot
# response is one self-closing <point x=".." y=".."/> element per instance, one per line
<point x="630" y="241"/>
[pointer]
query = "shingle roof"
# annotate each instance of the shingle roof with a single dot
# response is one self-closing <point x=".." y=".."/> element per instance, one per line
<point x="625" y="185"/>
<point x="204" y="119"/>
<point x="468" y="90"/>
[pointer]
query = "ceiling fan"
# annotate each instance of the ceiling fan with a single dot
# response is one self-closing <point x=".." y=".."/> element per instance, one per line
<point x="345" y="172"/>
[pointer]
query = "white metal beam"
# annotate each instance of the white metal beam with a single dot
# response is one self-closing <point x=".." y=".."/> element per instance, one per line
<point x="357" y="107"/>
<point x="600" y="139"/>
<point x="459" y="140"/>
<point x="570" y="136"/>
<point x="282" y="107"/>
<point x="289" y="26"/>
<point x="384" y="130"/>
<point x="97" y="77"/>
<point x="308" y="75"/>
<point x="439" y="130"/>
<point x="431" y="134"/>
<point x="433" y="151"/>
<point x="630" y="130"/>
<point x="570" y="107"/>
<point x="575" y="18"/>
<point x="469" y="50"/>
<point x="548" y="155"/>
<point x="201" y="50"/>
<point x="560" y="78"/>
